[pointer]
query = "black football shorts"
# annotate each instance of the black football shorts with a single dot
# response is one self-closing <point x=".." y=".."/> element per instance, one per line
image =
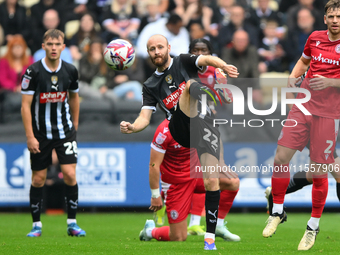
<point x="196" y="133"/>
<point x="66" y="150"/>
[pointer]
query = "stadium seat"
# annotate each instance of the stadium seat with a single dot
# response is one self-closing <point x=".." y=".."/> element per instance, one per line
<point x="71" y="27"/>
<point x="28" y="3"/>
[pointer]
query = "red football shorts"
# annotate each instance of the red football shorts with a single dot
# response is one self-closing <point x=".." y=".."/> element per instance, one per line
<point x="322" y="133"/>
<point x="178" y="199"/>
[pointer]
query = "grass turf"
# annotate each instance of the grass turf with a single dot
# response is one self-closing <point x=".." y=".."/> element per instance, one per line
<point x="117" y="233"/>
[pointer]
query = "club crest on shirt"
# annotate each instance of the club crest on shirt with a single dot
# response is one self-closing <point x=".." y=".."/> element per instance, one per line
<point x="174" y="214"/>
<point x="337" y="48"/>
<point x="160" y="138"/>
<point x="54" y="79"/>
<point x="168" y="79"/>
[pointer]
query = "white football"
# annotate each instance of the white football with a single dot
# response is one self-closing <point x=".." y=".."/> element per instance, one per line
<point x="119" y="54"/>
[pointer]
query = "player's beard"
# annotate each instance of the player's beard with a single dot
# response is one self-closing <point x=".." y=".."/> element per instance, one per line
<point x="163" y="62"/>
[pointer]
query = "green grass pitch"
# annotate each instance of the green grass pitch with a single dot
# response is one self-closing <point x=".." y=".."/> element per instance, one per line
<point x="117" y="233"/>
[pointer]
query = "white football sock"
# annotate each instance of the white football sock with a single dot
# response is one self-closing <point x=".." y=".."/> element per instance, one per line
<point x="277" y="208"/>
<point x="195" y="220"/>
<point x="69" y="221"/>
<point x="220" y="222"/>
<point x="37" y="224"/>
<point x="149" y="232"/>
<point x="209" y="235"/>
<point x="313" y="223"/>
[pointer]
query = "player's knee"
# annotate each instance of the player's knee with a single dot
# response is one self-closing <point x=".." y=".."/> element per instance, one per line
<point x="235" y="184"/>
<point x="179" y="237"/>
<point x="211" y="184"/>
<point x="70" y="178"/>
<point x="38" y="181"/>
<point x="280" y="158"/>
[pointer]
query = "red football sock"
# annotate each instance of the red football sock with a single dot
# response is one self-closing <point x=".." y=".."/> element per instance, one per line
<point x="161" y="234"/>
<point x="226" y="201"/>
<point x="197" y="203"/>
<point x="280" y="182"/>
<point x="319" y="194"/>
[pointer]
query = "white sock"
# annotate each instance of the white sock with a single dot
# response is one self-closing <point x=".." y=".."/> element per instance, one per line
<point x="37" y="224"/>
<point x="220" y="222"/>
<point x="313" y="223"/>
<point x="69" y="221"/>
<point x="277" y="208"/>
<point x="149" y="232"/>
<point x="195" y="220"/>
<point x="209" y="235"/>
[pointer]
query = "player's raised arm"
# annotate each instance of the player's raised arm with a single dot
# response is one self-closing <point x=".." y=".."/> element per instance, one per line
<point x="218" y="63"/>
<point x="156" y="159"/>
<point x="142" y="121"/>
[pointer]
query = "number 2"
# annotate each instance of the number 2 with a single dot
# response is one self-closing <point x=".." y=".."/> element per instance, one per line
<point x="71" y="148"/>
<point x="329" y="147"/>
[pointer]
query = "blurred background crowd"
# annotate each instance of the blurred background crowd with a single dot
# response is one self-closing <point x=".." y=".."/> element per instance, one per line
<point x="258" y="36"/>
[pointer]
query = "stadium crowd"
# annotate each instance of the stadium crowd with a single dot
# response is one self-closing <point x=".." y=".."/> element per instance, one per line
<point x="258" y="36"/>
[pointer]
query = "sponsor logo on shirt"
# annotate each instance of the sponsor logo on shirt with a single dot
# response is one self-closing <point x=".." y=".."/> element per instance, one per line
<point x="25" y="83"/>
<point x="318" y="43"/>
<point x="171" y="100"/>
<point x="322" y="59"/>
<point x="160" y="138"/>
<point x="52" y="97"/>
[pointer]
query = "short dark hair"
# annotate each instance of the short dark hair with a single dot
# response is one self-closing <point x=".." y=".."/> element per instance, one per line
<point x="53" y="33"/>
<point x="174" y="19"/>
<point x="332" y="5"/>
<point x="200" y="40"/>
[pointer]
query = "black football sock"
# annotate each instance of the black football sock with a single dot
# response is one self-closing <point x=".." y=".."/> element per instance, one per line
<point x="338" y="190"/>
<point x="212" y="199"/>
<point x="197" y="89"/>
<point x="71" y="193"/>
<point x="36" y="199"/>
<point x="298" y="181"/>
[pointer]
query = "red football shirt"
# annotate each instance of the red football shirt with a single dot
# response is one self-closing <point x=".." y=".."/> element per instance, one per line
<point x="325" y="61"/>
<point x="208" y="76"/>
<point x="175" y="167"/>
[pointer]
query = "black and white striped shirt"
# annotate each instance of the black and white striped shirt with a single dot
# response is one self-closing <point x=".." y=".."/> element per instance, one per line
<point x="50" y="110"/>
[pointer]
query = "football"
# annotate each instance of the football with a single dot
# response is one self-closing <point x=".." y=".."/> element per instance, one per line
<point x="119" y="54"/>
<point x="221" y="78"/>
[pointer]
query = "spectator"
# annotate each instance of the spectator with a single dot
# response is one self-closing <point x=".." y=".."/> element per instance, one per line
<point x="271" y="49"/>
<point x="80" y="42"/>
<point x="261" y="14"/>
<point x="245" y="57"/>
<point x="296" y="39"/>
<point x="120" y="20"/>
<point x="153" y="13"/>
<point x="172" y="28"/>
<point x="13" y="65"/>
<point x="92" y="72"/>
<point x="293" y="10"/>
<point x="37" y="15"/>
<point x="196" y="31"/>
<point x="195" y="11"/>
<point x="237" y="22"/>
<point x="74" y="9"/>
<point x="13" y="20"/>
<point x="50" y="21"/>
